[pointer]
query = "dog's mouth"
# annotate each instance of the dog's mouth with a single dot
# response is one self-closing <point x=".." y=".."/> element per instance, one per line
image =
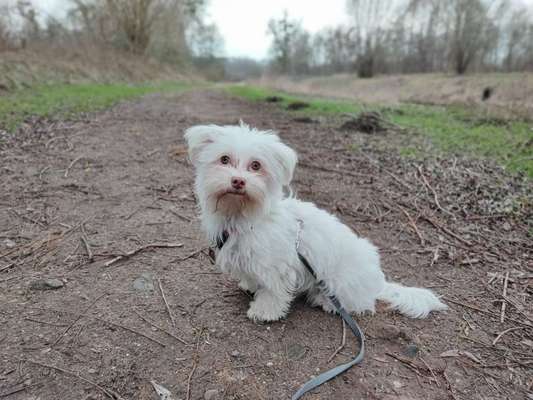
<point x="233" y="192"/>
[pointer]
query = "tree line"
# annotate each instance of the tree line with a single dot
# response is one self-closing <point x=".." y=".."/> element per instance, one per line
<point x="168" y="30"/>
<point x="409" y="36"/>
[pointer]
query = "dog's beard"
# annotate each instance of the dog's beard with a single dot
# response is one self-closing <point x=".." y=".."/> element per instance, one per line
<point x="220" y="199"/>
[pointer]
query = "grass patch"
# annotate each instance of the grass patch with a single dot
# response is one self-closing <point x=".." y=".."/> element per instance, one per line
<point x="317" y="106"/>
<point x="450" y="129"/>
<point x="68" y="100"/>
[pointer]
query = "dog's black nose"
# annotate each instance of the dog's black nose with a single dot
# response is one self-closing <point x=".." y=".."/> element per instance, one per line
<point x="238" y="183"/>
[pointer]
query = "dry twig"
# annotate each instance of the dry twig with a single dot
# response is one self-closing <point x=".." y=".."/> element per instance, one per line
<point x="142" y="248"/>
<point x="435" y="197"/>
<point x="413" y="225"/>
<point x="195" y="365"/>
<point x="166" y="302"/>
<point x="503" y="333"/>
<point x="446" y="230"/>
<point x="504" y="295"/>
<point x="161" y="329"/>
<point x="343" y="343"/>
<point x="85" y="241"/>
<point x="71" y="165"/>
<point x="80" y="316"/>
<point x="108" y="392"/>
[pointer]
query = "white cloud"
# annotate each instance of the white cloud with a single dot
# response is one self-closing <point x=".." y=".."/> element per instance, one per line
<point x="243" y="23"/>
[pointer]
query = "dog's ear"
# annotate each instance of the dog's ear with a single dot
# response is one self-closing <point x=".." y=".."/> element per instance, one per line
<point x="197" y="138"/>
<point x="286" y="158"/>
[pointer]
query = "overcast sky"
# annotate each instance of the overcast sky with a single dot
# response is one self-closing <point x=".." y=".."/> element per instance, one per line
<point x="243" y="23"/>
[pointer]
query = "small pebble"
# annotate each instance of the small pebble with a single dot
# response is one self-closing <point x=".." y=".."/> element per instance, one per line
<point x="235" y="353"/>
<point x="9" y="243"/>
<point x="211" y="394"/>
<point x="144" y="283"/>
<point x="270" y="364"/>
<point x="411" y="350"/>
<point x="46" y="284"/>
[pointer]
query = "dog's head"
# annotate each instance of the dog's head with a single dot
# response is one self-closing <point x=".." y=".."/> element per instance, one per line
<point x="239" y="170"/>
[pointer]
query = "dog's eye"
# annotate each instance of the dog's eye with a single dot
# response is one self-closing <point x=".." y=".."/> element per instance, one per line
<point x="255" y="165"/>
<point x="224" y="159"/>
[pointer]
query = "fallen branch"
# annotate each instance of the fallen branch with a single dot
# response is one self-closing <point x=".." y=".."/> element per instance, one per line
<point x="503" y="333"/>
<point x="409" y="364"/>
<point x="142" y="248"/>
<point x="166" y="303"/>
<point x="486" y="312"/>
<point x="195" y="365"/>
<point x="85" y="241"/>
<point x="108" y="392"/>
<point x="446" y="230"/>
<point x="333" y="170"/>
<point x="435" y="198"/>
<point x="131" y="330"/>
<point x="431" y="371"/>
<point x="191" y="255"/>
<point x="413" y="225"/>
<point x="107" y="322"/>
<point x="161" y="329"/>
<point x="343" y="343"/>
<point x="80" y="316"/>
<point x="71" y="165"/>
<point x="504" y="295"/>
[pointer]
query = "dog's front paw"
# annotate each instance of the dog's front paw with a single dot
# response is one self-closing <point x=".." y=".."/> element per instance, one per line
<point x="262" y="313"/>
<point x="248" y="286"/>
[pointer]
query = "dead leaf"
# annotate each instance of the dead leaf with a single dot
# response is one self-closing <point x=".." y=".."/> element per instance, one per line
<point x="162" y="392"/>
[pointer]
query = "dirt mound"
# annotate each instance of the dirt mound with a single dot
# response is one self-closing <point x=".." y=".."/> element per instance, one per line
<point x="366" y="122"/>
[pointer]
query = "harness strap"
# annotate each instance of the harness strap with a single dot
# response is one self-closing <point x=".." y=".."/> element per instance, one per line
<point x="334" y="372"/>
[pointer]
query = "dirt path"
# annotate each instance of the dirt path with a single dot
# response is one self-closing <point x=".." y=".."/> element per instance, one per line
<point x="74" y="195"/>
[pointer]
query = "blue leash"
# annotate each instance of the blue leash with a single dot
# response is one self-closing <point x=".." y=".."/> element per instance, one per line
<point x="334" y="372"/>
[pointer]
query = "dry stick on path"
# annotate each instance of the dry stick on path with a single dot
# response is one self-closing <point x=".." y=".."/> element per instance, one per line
<point x="435" y="197"/>
<point x="80" y="316"/>
<point x="446" y="230"/>
<point x="332" y="170"/>
<point x="504" y="295"/>
<point x="142" y="248"/>
<point x="504" y="332"/>
<point x="71" y="165"/>
<point x="108" y="392"/>
<point x="487" y="312"/>
<point x="343" y="343"/>
<point x="408" y="363"/>
<point x="161" y="329"/>
<point x="191" y="255"/>
<point x="195" y="365"/>
<point x="109" y="323"/>
<point x="85" y="241"/>
<point x="166" y="302"/>
<point x="430" y="370"/>
<point x="132" y="331"/>
<point x="413" y="225"/>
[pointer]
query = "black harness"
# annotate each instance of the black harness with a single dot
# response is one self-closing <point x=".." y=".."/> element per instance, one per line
<point x="332" y="373"/>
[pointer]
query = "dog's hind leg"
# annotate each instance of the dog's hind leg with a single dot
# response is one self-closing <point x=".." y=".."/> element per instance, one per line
<point x="316" y="298"/>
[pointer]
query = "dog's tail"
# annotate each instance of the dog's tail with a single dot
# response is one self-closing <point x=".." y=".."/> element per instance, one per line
<point x="411" y="301"/>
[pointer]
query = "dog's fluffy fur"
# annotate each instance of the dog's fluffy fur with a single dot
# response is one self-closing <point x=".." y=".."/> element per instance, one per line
<point x="263" y="226"/>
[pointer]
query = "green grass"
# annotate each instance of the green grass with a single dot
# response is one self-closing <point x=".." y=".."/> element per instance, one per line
<point x="450" y="129"/>
<point x="317" y="106"/>
<point x="68" y="100"/>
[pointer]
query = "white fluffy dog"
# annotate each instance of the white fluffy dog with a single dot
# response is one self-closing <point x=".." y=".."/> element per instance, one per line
<point x="241" y="174"/>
